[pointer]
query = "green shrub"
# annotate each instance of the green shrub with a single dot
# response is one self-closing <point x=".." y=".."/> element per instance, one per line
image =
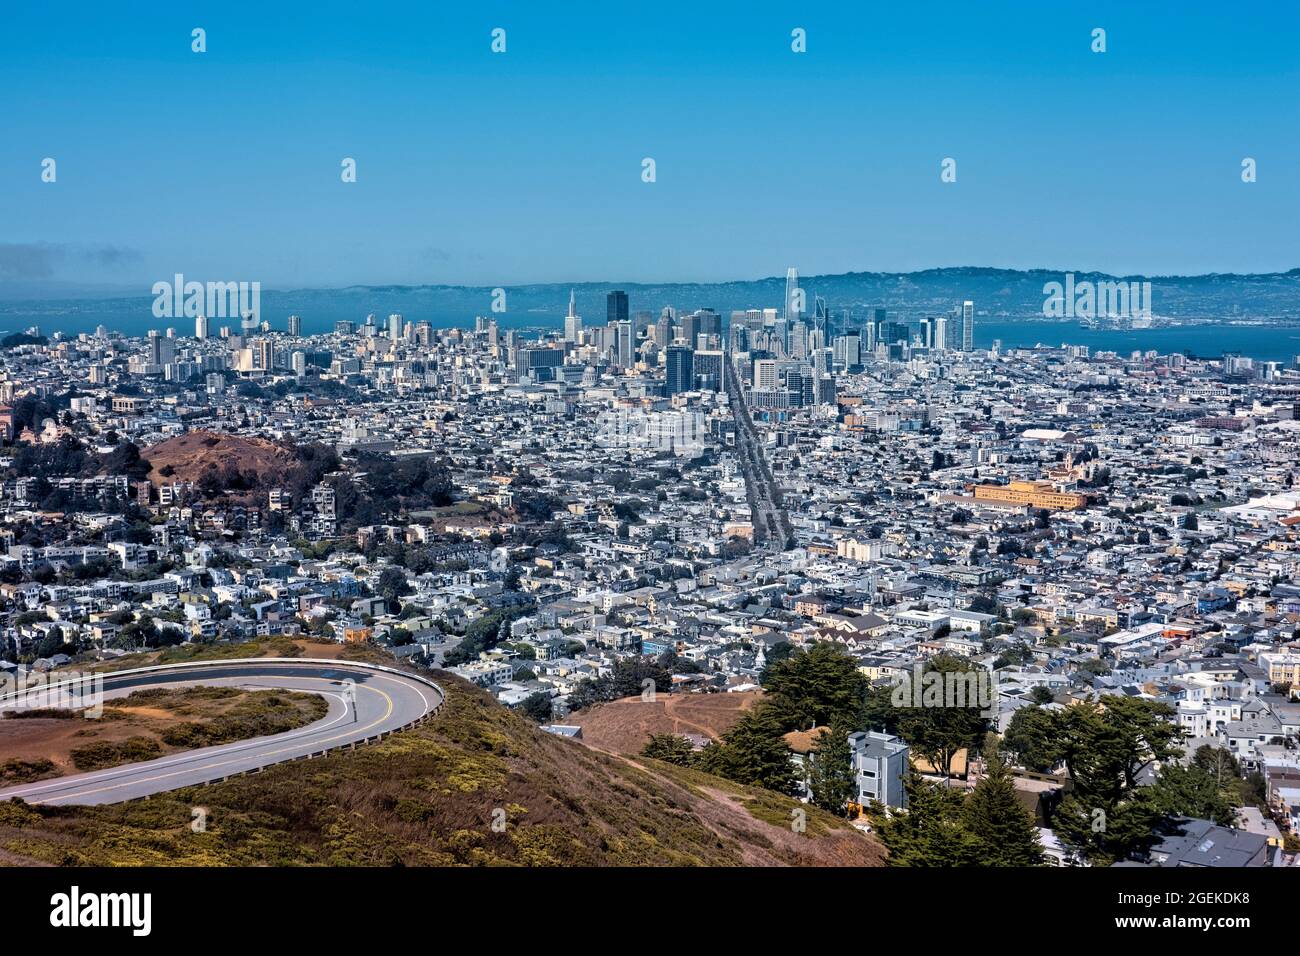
<point x="97" y="756"/>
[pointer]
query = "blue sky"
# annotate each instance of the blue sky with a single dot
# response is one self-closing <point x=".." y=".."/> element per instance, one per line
<point x="490" y="169"/>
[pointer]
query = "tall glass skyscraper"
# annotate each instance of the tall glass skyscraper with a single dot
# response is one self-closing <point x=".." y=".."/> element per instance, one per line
<point x="616" y="307"/>
<point x="680" y="370"/>
<point x="792" y="309"/>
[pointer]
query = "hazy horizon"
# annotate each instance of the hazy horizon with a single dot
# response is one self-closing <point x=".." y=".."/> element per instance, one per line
<point x="56" y="290"/>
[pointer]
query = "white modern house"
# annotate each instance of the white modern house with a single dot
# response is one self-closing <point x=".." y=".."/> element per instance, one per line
<point x="879" y="765"/>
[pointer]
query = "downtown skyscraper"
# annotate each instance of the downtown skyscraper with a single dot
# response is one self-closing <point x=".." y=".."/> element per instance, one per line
<point x="616" y="307"/>
<point x="573" y="322"/>
<point x="679" y="370"/>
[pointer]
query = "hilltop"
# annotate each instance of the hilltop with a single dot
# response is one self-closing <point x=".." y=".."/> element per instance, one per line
<point x="624" y="726"/>
<point x="187" y="457"/>
<point x="429" y="796"/>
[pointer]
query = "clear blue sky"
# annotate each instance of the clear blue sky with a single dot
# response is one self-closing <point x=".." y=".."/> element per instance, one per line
<point x="500" y="169"/>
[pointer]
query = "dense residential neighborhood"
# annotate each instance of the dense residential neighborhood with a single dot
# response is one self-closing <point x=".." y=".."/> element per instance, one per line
<point x="822" y="512"/>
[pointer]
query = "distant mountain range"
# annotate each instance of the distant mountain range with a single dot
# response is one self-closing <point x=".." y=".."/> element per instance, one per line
<point x="1006" y="293"/>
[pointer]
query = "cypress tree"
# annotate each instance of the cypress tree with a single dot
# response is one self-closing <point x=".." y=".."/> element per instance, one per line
<point x="994" y="816"/>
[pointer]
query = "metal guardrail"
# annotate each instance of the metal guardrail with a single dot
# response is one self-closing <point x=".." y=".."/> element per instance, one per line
<point x="253" y="661"/>
<point x="235" y="662"/>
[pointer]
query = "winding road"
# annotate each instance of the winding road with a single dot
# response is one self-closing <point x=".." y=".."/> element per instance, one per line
<point x="366" y="702"/>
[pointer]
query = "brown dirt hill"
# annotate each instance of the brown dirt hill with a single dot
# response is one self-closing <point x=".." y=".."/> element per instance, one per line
<point x="624" y="726"/>
<point x="429" y="796"/>
<point x="189" y="456"/>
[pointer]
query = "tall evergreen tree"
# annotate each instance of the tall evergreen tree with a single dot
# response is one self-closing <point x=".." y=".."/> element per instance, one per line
<point x="831" y="782"/>
<point x="930" y="832"/>
<point x="1105" y="746"/>
<point x="671" y="748"/>
<point x="1219" y="763"/>
<point x="997" y="819"/>
<point x="1193" y="792"/>
<point x="815" y="687"/>
<point x="938" y="731"/>
<point x="753" y="752"/>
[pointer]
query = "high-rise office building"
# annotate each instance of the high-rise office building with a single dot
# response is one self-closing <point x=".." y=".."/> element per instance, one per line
<point x="680" y="370"/>
<point x="792" y="295"/>
<point x="798" y="341"/>
<point x="295" y="325"/>
<point x="616" y="307"/>
<point x="539" y="364"/>
<point x="573" y="321"/>
<point x="710" y="322"/>
<point x="160" y="348"/>
<point x="625" y="343"/>
<point x="709" y="369"/>
<point x="765" y="373"/>
<point x="940" y="333"/>
<point x="395" y="326"/>
<point x="201" y="326"/>
<point x="967" y="326"/>
<point x="663" y="332"/>
<point x="690" y="328"/>
<point x="891" y="332"/>
<point x="847" y="350"/>
<point x="737" y="337"/>
<point x="794" y="384"/>
<point x="822" y="359"/>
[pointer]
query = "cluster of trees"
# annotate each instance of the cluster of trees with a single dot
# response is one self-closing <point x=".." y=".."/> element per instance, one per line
<point x="822" y="687"/>
<point x="946" y="827"/>
<point x="485" y="633"/>
<point x="629" y="677"/>
<point x="390" y="485"/>
<point x="68" y="457"/>
<point x="1110" y="749"/>
<point x="14" y="339"/>
<point x="1116" y="805"/>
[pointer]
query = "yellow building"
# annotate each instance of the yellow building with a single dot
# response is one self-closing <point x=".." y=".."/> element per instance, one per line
<point x="1036" y="494"/>
<point x="1283" y="667"/>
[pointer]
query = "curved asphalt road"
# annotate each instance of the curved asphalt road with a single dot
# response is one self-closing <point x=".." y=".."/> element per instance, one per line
<point x="376" y="702"/>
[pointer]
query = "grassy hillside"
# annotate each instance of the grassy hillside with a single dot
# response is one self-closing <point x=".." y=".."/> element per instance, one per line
<point x="430" y="797"/>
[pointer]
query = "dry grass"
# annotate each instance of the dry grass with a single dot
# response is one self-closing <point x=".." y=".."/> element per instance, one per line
<point x="148" y="724"/>
<point x="189" y="455"/>
<point x="477" y="785"/>
<point x="624" y="726"/>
